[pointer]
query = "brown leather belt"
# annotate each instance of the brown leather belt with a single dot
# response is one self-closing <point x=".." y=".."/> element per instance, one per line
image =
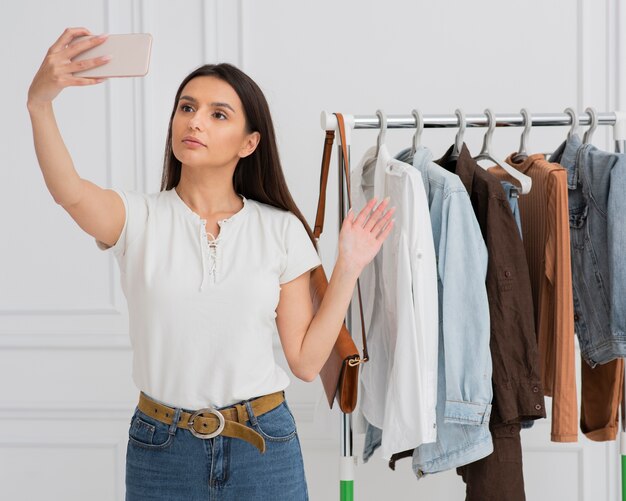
<point x="229" y="422"/>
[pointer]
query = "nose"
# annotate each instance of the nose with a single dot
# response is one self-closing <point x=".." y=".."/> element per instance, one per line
<point x="194" y="123"/>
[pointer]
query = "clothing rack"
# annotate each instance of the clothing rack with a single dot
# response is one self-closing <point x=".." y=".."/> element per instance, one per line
<point x="617" y="119"/>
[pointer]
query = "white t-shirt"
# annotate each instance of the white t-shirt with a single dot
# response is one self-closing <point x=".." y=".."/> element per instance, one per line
<point x="202" y="318"/>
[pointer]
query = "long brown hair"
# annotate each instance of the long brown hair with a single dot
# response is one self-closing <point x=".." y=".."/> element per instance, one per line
<point x="258" y="176"/>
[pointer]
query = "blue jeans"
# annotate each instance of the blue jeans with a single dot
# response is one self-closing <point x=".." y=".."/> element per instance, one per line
<point x="164" y="462"/>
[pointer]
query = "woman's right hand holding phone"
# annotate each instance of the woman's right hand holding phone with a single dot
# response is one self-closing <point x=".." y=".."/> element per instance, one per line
<point x="55" y="72"/>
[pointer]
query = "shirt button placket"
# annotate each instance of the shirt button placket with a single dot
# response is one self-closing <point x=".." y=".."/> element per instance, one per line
<point x="213" y="259"/>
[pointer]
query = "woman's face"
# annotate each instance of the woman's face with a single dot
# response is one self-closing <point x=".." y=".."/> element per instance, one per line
<point x="210" y="111"/>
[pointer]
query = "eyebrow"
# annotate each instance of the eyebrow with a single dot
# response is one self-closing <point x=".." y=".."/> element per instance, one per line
<point x="195" y="101"/>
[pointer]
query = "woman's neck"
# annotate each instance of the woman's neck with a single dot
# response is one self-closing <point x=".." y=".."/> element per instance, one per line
<point x="210" y="201"/>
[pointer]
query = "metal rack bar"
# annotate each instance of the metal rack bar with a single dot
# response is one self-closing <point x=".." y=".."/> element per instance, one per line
<point x="329" y="121"/>
<point x="480" y="120"/>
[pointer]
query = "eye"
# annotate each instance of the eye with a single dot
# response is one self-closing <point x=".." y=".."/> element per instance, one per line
<point x="183" y="106"/>
<point x="219" y="114"/>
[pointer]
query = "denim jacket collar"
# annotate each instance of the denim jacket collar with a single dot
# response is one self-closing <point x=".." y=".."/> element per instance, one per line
<point x="566" y="155"/>
<point x="405" y="156"/>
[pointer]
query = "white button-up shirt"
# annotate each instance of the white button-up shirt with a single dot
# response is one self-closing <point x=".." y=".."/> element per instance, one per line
<point x="398" y="386"/>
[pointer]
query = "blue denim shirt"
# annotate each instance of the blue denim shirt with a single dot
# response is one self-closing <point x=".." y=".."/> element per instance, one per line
<point x="512" y="195"/>
<point x="597" y="206"/>
<point x="464" y="391"/>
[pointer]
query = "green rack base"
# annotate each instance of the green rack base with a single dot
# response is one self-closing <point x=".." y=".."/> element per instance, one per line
<point x="346" y="488"/>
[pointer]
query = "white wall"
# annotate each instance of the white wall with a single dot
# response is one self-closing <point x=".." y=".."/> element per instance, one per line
<point x="66" y="394"/>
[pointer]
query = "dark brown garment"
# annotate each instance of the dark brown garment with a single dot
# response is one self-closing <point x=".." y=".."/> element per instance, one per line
<point x="601" y="399"/>
<point x="546" y="234"/>
<point x="517" y="389"/>
<point x="499" y="476"/>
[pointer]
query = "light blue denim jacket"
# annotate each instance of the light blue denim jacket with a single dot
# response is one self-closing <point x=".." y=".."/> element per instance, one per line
<point x="464" y="391"/>
<point x="597" y="211"/>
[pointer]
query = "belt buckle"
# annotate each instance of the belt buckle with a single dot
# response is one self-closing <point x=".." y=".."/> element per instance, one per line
<point x="206" y="436"/>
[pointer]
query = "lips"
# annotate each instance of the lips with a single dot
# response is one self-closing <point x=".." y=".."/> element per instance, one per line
<point x="192" y="139"/>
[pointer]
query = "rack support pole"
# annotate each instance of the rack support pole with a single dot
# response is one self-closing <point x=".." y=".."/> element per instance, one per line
<point x="619" y="135"/>
<point x="347" y="460"/>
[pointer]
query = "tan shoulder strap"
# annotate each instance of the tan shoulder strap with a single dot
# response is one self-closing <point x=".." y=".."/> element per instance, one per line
<point x="321" y="203"/>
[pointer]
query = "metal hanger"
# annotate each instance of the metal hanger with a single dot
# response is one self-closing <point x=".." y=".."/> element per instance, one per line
<point x="382" y="120"/>
<point x="522" y="154"/>
<point x="592" y="127"/>
<point x="574" y="116"/>
<point x="419" y="128"/>
<point x="458" y="140"/>
<point x="485" y="154"/>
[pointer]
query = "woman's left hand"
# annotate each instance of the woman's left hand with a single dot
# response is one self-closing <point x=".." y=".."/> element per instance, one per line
<point x="361" y="237"/>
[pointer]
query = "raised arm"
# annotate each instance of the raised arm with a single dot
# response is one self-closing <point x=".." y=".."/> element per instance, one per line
<point x="99" y="212"/>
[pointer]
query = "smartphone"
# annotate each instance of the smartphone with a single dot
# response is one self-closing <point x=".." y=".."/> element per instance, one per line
<point x="130" y="52"/>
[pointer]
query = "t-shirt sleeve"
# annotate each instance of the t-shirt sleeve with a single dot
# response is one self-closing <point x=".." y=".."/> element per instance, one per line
<point x="136" y="211"/>
<point x="300" y="254"/>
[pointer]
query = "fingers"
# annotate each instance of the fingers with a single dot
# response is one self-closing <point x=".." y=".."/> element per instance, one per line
<point x="380" y="223"/>
<point x="385" y="233"/>
<point x="85" y="81"/>
<point x="383" y="220"/>
<point x="66" y="37"/>
<point x="350" y="217"/>
<point x="82" y="45"/>
<point x="371" y="213"/>
<point x="362" y="217"/>
<point x="375" y="216"/>
<point x="85" y="64"/>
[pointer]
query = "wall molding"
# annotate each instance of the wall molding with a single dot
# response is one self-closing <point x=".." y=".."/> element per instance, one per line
<point x="209" y="18"/>
<point x="597" y="44"/>
<point x="140" y="98"/>
<point x="98" y="411"/>
<point x="66" y="411"/>
<point x="118" y="446"/>
<point x="78" y="341"/>
<point x="82" y="341"/>
<point x="60" y="312"/>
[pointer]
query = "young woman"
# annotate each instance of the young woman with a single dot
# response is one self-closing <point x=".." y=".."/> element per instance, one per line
<point x="212" y="266"/>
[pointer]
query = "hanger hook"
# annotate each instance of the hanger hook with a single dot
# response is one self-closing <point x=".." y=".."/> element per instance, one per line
<point x="458" y="140"/>
<point x="593" y="125"/>
<point x="574" y="116"/>
<point x="382" y="121"/>
<point x="419" y="128"/>
<point x="491" y="125"/>
<point x="528" y="125"/>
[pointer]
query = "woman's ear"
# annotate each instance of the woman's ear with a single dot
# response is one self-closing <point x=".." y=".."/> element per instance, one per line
<point x="250" y="144"/>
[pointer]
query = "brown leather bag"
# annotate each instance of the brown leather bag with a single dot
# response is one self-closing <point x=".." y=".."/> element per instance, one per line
<point x="340" y="374"/>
